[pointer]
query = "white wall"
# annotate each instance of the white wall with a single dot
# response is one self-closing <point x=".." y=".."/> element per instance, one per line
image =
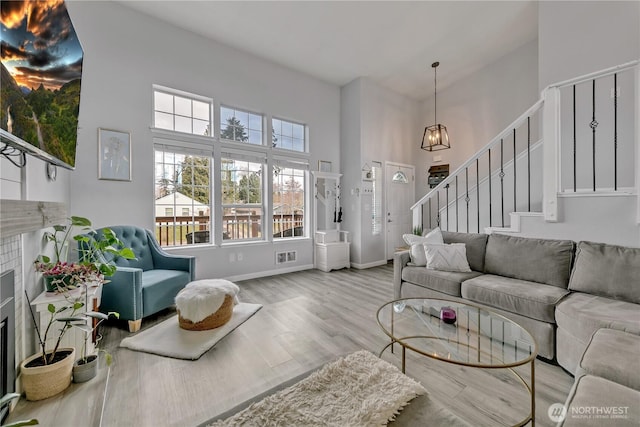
<point x="477" y="108"/>
<point x="125" y="53"/>
<point x="377" y="125"/>
<point x="577" y="38"/>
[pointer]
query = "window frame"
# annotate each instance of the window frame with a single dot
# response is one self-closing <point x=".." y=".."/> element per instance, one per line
<point x="262" y="205"/>
<point x="263" y="126"/>
<point x="305" y="137"/>
<point x="182" y="94"/>
<point x="303" y="167"/>
<point x="175" y="148"/>
<point x="214" y="147"/>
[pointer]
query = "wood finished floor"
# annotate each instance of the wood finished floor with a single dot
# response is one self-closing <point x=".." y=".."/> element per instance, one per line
<point x="308" y="319"/>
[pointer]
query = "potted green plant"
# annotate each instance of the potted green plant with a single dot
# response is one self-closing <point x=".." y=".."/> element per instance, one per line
<point x="6" y="401"/>
<point x="86" y="367"/>
<point x="59" y="275"/>
<point x="49" y="371"/>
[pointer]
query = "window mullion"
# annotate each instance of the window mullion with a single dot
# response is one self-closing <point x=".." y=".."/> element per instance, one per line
<point x="217" y="209"/>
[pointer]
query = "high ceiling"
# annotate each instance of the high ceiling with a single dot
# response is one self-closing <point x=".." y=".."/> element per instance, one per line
<point x="391" y="42"/>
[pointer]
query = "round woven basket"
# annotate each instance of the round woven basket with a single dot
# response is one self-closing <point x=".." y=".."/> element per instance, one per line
<point x="215" y="320"/>
<point x="41" y="382"/>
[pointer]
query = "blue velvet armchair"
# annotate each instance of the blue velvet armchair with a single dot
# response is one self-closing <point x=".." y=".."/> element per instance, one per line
<point x="149" y="283"/>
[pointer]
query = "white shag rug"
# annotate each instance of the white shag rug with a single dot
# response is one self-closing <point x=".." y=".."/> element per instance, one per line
<point x="357" y="390"/>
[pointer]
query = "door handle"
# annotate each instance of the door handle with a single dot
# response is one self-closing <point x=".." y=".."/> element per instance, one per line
<point x="389" y="220"/>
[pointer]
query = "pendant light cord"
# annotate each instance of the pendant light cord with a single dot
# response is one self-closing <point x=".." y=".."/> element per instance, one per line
<point x="435" y="91"/>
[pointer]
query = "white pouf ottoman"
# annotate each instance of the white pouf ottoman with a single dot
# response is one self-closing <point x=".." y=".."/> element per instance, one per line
<point x="206" y="304"/>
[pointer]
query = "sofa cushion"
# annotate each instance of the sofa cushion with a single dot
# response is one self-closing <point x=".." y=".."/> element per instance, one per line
<point x="607" y="270"/>
<point x="536" y="260"/>
<point x="591" y="395"/>
<point x="160" y="287"/>
<point x="529" y="299"/>
<point x="613" y="355"/>
<point x="475" y="244"/>
<point x="581" y="315"/>
<point x="447" y="282"/>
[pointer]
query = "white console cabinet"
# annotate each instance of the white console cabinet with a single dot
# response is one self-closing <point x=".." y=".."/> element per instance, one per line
<point x="332" y="250"/>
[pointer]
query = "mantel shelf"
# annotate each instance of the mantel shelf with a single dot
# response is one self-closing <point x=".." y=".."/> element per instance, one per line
<point x="24" y="216"/>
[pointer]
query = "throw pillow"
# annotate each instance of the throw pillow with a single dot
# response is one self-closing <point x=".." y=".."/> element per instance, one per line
<point x="417" y="250"/>
<point x="445" y="257"/>
<point x="434" y="236"/>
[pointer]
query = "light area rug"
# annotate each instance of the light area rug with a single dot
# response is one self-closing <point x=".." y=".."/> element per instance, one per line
<point x="357" y="390"/>
<point x="168" y="339"/>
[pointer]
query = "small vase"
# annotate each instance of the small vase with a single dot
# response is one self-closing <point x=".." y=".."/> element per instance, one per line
<point x="87" y="370"/>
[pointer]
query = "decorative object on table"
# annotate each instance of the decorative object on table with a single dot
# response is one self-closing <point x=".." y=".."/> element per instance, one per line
<point x="5" y="401"/>
<point x="206" y="304"/>
<point x="448" y="315"/>
<point x="356" y="390"/>
<point x="435" y="137"/>
<point x="48" y="372"/>
<point x="169" y="340"/>
<point x="324" y="166"/>
<point x="114" y="151"/>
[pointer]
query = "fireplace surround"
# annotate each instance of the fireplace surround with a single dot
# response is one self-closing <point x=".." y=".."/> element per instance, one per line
<point x="7" y="337"/>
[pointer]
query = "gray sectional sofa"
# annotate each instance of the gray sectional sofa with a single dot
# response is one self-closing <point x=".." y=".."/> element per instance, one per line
<point x="560" y="291"/>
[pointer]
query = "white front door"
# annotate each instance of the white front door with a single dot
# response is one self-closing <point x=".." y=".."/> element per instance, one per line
<point x="400" y="191"/>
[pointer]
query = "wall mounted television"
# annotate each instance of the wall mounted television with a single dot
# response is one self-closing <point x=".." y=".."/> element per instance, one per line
<point x="40" y="81"/>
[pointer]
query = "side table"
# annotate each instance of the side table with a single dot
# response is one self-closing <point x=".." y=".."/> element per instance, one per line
<point x="74" y="337"/>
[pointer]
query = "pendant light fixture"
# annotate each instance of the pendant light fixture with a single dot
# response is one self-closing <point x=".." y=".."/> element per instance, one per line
<point x="435" y="137"/>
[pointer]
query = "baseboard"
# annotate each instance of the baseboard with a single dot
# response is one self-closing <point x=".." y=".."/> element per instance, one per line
<point x="368" y="265"/>
<point x="267" y="273"/>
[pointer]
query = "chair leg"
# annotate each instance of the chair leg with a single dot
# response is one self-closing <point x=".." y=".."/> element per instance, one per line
<point x="134" y="325"/>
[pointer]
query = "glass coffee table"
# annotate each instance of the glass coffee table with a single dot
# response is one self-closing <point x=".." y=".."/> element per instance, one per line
<point x="477" y="338"/>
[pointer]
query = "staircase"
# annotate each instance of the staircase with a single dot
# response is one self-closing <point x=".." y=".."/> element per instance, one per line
<point x="568" y="167"/>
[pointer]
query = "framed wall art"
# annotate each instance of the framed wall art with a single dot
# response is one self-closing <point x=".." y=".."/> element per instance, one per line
<point x="114" y="155"/>
<point x="324" y="166"/>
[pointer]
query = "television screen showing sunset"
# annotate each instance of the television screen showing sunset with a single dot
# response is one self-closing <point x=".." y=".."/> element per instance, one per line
<point x="41" y="75"/>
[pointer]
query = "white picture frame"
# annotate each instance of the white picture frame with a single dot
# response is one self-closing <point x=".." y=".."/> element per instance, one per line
<point x="324" y="166"/>
<point x="114" y="155"/>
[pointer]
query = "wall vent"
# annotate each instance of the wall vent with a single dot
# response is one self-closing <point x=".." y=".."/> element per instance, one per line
<point x="288" y="256"/>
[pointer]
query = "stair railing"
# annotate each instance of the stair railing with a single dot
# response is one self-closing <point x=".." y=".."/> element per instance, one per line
<point x="481" y="201"/>
<point x="462" y="201"/>
<point x="585" y="143"/>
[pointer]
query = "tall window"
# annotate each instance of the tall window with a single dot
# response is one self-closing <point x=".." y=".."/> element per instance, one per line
<point x="181" y="113"/>
<point x="288" y="202"/>
<point x="182" y="185"/>
<point x="242" y="201"/>
<point x="288" y="135"/>
<point x="241" y="126"/>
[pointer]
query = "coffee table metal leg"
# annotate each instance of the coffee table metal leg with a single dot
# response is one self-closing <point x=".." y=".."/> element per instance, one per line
<point x="533" y="392"/>
<point x="404" y="351"/>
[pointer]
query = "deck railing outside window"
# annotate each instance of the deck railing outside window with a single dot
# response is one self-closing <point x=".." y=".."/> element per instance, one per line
<point x="188" y="230"/>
